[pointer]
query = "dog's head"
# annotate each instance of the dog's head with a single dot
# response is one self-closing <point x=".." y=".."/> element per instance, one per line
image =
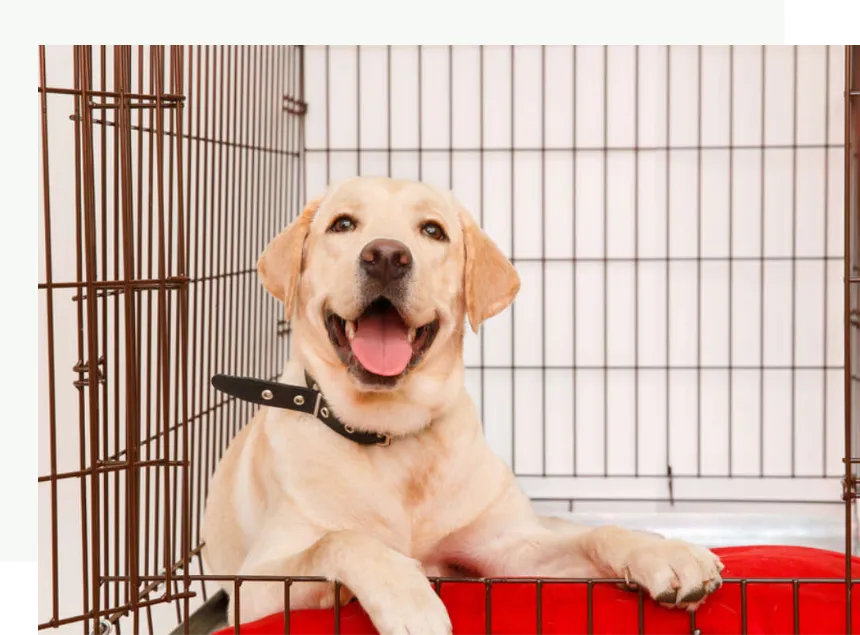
<point x="378" y="276"/>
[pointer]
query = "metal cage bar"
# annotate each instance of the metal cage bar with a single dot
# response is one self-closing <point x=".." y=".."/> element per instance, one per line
<point x="165" y="170"/>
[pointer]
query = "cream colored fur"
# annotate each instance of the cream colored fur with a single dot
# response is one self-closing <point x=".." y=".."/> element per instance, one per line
<point x="292" y="498"/>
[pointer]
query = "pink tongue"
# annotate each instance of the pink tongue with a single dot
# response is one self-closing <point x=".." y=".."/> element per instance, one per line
<point x="381" y="343"/>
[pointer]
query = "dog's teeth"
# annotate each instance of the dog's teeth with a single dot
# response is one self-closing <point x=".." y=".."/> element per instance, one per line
<point x="411" y="337"/>
<point x="350" y="330"/>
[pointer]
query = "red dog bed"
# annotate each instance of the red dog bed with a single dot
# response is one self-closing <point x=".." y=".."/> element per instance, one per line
<point x="771" y="607"/>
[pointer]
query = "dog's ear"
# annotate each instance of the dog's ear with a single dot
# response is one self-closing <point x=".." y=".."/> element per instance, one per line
<point x="280" y="264"/>
<point x="490" y="280"/>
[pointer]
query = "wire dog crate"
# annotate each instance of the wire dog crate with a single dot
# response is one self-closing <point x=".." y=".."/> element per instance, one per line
<point x="684" y="220"/>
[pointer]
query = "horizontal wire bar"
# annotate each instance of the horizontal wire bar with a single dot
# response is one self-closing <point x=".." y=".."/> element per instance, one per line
<point x="215" y="142"/>
<point x="657" y="367"/>
<point x="111" y="467"/>
<point x="756" y="477"/>
<point x="663" y="259"/>
<point x="508" y="150"/>
<point x="113" y="610"/>
<point x="172" y="282"/>
<point x="51" y="90"/>
<point x="674" y="500"/>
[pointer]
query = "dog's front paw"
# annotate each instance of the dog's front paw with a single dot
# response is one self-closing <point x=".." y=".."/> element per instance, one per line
<point x="675" y="573"/>
<point x="405" y="604"/>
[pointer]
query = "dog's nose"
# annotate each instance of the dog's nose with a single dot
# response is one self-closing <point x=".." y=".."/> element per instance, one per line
<point x="386" y="260"/>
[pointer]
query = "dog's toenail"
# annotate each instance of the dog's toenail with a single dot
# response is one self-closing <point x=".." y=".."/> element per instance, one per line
<point x="667" y="597"/>
<point x="695" y="595"/>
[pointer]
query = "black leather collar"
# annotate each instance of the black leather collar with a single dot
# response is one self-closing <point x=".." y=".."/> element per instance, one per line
<point x="297" y="398"/>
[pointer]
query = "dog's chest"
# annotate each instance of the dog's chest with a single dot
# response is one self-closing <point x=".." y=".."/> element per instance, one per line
<point x="410" y="496"/>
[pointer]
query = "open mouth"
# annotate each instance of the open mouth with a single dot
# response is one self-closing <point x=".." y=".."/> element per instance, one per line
<point x="379" y="345"/>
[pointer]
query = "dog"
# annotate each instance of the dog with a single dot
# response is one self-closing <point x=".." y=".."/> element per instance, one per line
<point x="378" y="277"/>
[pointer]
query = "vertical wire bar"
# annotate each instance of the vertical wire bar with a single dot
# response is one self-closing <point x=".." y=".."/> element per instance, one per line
<point x="699" y="263"/>
<point x="284" y="76"/>
<point x="219" y="240"/>
<point x="105" y="330"/>
<point x="205" y="422"/>
<point x="191" y="341"/>
<point x="262" y="206"/>
<point x="636" y="156"/>
<point x="481" y="159"/>
<point x="163" y="325"/>
<point x="260" y="63"/>
<point x="245" y="166"/>
<point x="300" y="140"/>
<point x="795" y="603"/>
<point x="232" y="266"/>
<point x="224" y="235"/>
<point x="49" y="301"/>
<point x="693" y="628"/>
<point x="488" y="607"/>
<point x="139" y="303"/>
<point x="589" y="614"/>
<point x="388" y="105"/>
<point x="154" y="450"/>
<point x="543" y="258"/>
<point x="848" y="488"/>
<point x="328" y="114"/>
<point x="173" y="169"/>
<point x="743" y="607"/>
<point x="358" y="110"/>
<point x="268" y="207"/>
<point x="198" y="378"/>
<point x="794" y="263"/>
<point x="295" y="141"/>
<point x="762" y="194"/>
<point x="177" y="58"/>
<point x="420" y="113"/>
<point x="824" y="254"/>
<point x="450" y="117"/>
<point x="605" y="201"/>
<point x="153" y="543"/>
<point x="573" y="254"/>
<point x="243" y="285"/>
<point x="122" y="63"/>
<point x="640" y="611"/>
<point x="274" y="159"/>
<point x="79" y="276"/>
<point x="539" y="607"/>
<point x="337" y="607"/>
<point x="148" y="321"/>
<point x="237" y="585"/>
<point x="668" y="261"/>
<point x="287" y="584"/>
<point x="90" y="247"/>
<point x="291" y="169"/>
<point x="731" y="316"/>
<point x="513" y="257"/>
<point x="173" y="331"/>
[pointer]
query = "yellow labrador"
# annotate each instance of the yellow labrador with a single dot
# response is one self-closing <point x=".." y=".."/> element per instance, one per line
<point x="378" y="277"/>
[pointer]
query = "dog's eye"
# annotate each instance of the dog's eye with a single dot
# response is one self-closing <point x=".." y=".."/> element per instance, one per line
<point x="434" y="231"/>
<point x="343" y="224"/>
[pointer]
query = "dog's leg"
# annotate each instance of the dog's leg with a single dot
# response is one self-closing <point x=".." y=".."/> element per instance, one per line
<point x="390" y="586"/>
<point x="509" y="540"/>
<point x="564" y="526"/>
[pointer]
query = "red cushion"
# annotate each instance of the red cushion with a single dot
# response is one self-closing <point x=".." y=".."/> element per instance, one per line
<point x="770" y="607"/>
